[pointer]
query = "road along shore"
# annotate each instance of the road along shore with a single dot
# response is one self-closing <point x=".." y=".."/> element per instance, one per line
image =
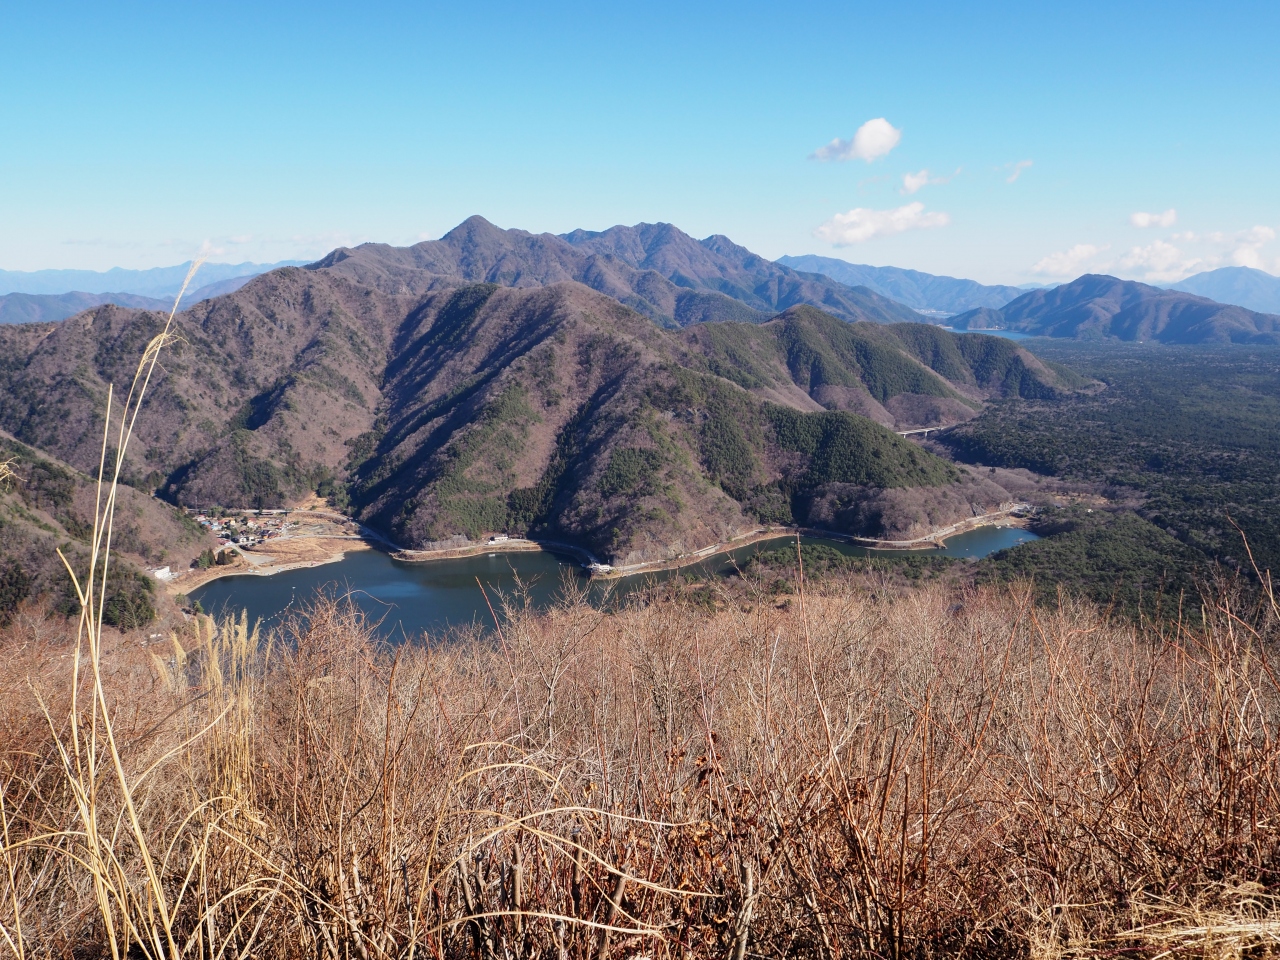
<point x="1010" y="516"/>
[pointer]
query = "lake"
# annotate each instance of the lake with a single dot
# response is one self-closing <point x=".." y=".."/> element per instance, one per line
<point x="410" y="598"/>
<point x="1007" y="334"/>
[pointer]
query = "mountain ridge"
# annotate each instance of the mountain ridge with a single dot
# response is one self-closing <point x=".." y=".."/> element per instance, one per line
<point x="656" y="269"/>
<point x="51" y="307"/>
<point x="25" y="307"/>
<point x="159" y="282"/>
<point x="925" y="292"/>
<point x="1097" y="306"/>
<point x="1243" y="286"/>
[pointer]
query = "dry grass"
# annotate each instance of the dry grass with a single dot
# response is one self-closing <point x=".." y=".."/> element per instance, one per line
<point x="863" y="777"/>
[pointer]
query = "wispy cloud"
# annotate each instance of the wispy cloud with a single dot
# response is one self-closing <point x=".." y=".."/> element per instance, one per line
<point x="1016" y="169"/>
<point x="861" y="224"/>
<point x="1144" y="220"/>
<point x="873" y="139"/>
<point x="911" y="182"/>
<point x="101" y="242"/>
<point x="1067" y="262"/>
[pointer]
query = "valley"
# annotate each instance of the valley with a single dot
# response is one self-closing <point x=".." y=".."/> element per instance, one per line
<point x="437" y="406"/>
<point x="633" y="397"/>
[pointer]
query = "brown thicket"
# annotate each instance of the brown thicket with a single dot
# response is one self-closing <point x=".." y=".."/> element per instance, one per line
<point x="905" y="775"/>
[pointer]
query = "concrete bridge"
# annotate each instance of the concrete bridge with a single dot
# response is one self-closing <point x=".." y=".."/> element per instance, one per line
<point x="921" y="430"/>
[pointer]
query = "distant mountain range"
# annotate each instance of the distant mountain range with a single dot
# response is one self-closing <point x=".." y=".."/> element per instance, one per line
<point x="476" y="250"/>
<point x="925" y="292"/>
<point x="49" y="307"/>
<point x="1096" y="307"/>
<point x="442" y="406"/>
<point x="1243" y="286"/>
<point x="654" y="268"/>
<point x="158" y="282"/>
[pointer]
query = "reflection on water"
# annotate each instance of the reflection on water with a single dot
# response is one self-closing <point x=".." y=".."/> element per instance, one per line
<point x="410" y="598"/>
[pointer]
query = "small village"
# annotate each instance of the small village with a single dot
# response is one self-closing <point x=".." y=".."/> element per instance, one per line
<point x="244" y="529"/>
<point x="264" y="542"/>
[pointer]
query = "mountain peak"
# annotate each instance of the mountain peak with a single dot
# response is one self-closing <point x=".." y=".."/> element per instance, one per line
<point x="475" y="228"/>
<point x="1246" y="286"/>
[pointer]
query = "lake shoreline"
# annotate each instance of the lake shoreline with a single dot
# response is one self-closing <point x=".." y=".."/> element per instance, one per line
<point x="415" y="598"/>
<point x="934" y="540"/>
<point x="208" y="576"/>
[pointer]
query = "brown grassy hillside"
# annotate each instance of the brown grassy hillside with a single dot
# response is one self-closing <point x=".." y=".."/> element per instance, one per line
<point x="860" y="774"/>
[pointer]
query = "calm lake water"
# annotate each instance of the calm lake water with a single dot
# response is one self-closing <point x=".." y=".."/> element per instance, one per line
<point x="1007" y="334"/>
<point x="412" y="598"/>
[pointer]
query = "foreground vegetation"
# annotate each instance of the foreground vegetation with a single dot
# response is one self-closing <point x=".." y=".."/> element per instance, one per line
<point x="856" y="773"/>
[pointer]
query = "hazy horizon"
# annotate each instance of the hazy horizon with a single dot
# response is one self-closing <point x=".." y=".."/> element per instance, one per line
<point x="230" y="269"/>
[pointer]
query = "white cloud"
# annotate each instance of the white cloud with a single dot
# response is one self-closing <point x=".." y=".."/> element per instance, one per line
<point x="1161" y="262"/>
<point x="1067" y="262"/>
<point x="1017" y="169"/>
<point x="1248" y="252"/>
<point x="875" y="138"/>
<point x="1247" y="257"/>
<point x="1166" y="219"/>
<point x="911" y="182"/>
<point x="861" y="224"/>
<point x="1258" y="235"/>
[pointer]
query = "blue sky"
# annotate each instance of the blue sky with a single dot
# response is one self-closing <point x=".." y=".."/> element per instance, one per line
<point x="137" y="134"/>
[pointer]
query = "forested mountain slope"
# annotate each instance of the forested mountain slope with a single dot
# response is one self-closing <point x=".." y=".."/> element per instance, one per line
<point x="439" y="408"/>
<point x="560" y="412"/>
<point x="900" y="375"/>
<point x="49" y="506"/>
